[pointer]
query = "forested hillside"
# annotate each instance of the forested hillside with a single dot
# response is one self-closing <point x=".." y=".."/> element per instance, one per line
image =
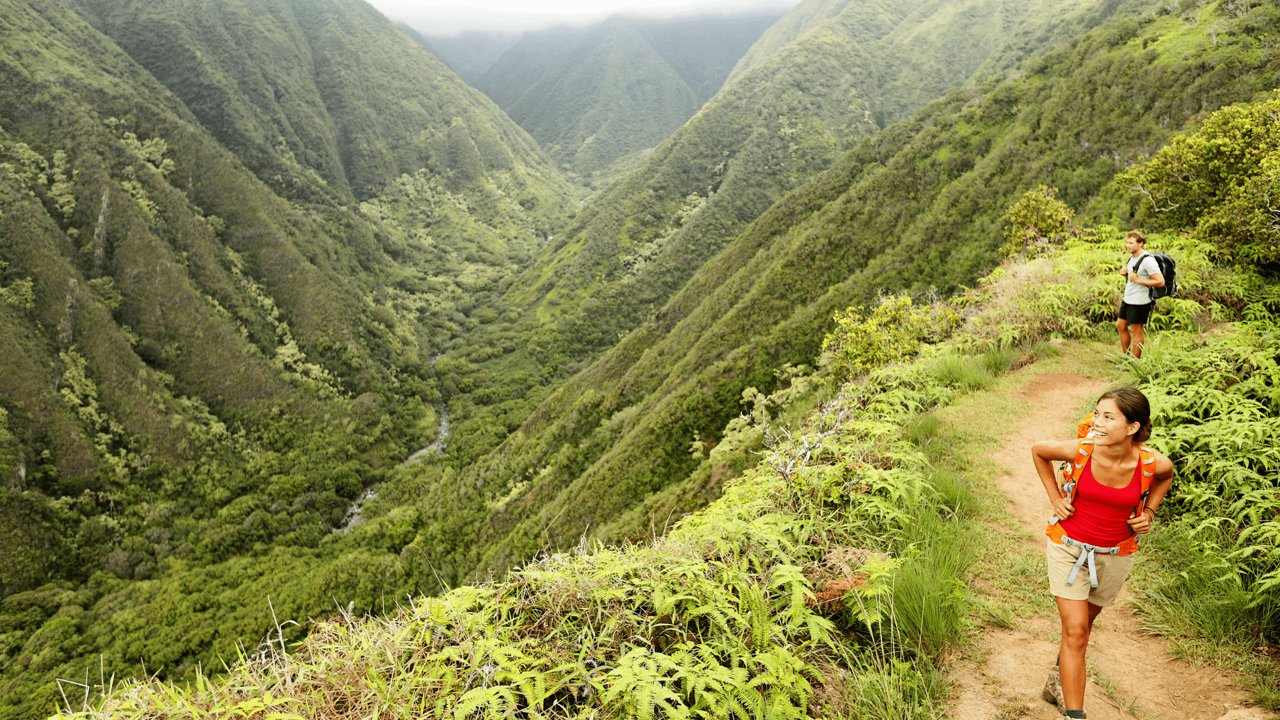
<point x="322" y="87"/>
<point x="211" y="349"/>
<point x="593" y="96"/>
<point x="917" y="209"/>
<point x="642" y="238"/>
<point x="868" y="64"/>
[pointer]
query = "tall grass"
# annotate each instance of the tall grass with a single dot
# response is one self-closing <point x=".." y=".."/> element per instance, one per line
<point x="975" y="372"/>
<point x="930" y="598"/>
<point x="888" y="688"/>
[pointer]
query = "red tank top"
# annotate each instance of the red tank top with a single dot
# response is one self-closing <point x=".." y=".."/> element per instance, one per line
<point x="1102" y="513"/>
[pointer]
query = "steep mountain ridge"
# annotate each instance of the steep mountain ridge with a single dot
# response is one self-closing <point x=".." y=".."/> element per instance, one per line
<point x="642" y="238"/>
<point x="599" y="98"/>
<point x="841" y="80"/>
<point x="593" y="96"/>
<point x="210" y="355"/>
<point x="328" y="87"/>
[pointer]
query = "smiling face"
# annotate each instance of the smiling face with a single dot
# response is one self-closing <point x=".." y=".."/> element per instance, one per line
<point x="1110" y="425"/>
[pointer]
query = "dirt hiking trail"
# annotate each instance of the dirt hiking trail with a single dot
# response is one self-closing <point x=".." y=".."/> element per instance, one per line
<point x="1132" y="674"/>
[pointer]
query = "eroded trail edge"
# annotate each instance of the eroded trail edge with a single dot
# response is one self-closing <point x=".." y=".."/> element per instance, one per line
<point x="1132" y="673"/>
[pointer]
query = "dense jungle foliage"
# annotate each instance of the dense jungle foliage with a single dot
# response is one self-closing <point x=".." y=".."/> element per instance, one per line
<point x="829" y="580"/>
<point x="233" y="306"/>
<point x="211" y="351"/>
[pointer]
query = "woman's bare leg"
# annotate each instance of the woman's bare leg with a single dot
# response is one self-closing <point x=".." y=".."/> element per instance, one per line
<point x="1077" y="618"/>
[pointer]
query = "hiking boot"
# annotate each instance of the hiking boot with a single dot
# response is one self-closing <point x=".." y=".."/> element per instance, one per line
<point x="1053" y="691"/>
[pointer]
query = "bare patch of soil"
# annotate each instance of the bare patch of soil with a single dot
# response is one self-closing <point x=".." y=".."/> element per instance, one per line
<point x="1133" y="675"/>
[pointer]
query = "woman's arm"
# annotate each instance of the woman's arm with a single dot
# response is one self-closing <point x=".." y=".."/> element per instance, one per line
<point x="1160" y="485"/>
<point x="1043" y="455"/>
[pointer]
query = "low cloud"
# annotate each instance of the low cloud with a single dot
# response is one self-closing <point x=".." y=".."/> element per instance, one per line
<point x="510" y="16"/>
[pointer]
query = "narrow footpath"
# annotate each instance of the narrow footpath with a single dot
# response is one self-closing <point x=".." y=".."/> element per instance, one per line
<point x="1133" y="676"/>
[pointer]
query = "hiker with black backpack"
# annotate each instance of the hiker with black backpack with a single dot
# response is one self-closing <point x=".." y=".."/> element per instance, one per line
<point x="1142" y="273"/>
<point x="1103" y="496"/>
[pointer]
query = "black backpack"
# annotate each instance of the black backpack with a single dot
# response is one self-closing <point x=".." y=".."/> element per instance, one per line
<point x="1168" y="270"/>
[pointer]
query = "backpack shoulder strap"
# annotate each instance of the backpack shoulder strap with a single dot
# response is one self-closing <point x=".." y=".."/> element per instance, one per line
<point x="1084" y="451"/>
<point x="1069" y="479"/>
<point x="1147" y="459"/>
<point x="1137" y="268"/>
<point x="1084" y="426"/>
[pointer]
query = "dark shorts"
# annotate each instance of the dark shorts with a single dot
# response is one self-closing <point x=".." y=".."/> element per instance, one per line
<point x="1134" y="314"/>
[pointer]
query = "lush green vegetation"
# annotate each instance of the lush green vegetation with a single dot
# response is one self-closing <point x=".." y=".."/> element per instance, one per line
<point x="828" y="580"/>
<point x="767" y="133"/>
<point x="318" y="97"/>
<point x="631" y="415"/>
<point x="212" y="353"/>
<point x="206" y="367"/>
<point x="719" y="618"/>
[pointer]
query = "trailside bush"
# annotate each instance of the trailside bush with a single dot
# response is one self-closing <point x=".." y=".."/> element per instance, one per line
<point x="1222" y="182"/>
<point x="1218" y="417"/>
<point x="1038" y="217"/>
<point x="892" y="332"/>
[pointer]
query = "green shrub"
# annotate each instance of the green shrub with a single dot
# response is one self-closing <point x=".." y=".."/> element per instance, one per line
<point x="892" y="332"/>
<point x="1037" y="219"/>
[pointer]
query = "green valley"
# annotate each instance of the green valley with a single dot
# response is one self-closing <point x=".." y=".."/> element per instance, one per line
<point x="222" y="297"/>
<point x="326" y="391"/>
<point x="598" y="97"/>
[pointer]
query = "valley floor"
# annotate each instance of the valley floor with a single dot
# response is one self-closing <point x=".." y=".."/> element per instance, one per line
<point x="1133" y="674"/>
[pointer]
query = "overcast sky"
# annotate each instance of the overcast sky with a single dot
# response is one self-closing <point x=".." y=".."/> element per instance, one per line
<point x="450" y="17"/>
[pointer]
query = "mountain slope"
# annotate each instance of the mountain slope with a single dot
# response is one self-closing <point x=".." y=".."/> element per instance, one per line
<point x="841" y="80"/>
<point x="325" y="87"/>
<point x="205" y="368"/>
<point x="592" y="96"/>
<point x="916" y="208"/>
<point x="591" y="104"/>
<point x="642" y="238"/>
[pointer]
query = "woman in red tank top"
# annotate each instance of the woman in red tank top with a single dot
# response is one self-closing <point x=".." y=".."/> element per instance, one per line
<point x="1101" y="514"/>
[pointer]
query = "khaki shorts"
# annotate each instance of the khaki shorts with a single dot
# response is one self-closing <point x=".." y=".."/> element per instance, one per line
<point x="1113" y="570"/>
